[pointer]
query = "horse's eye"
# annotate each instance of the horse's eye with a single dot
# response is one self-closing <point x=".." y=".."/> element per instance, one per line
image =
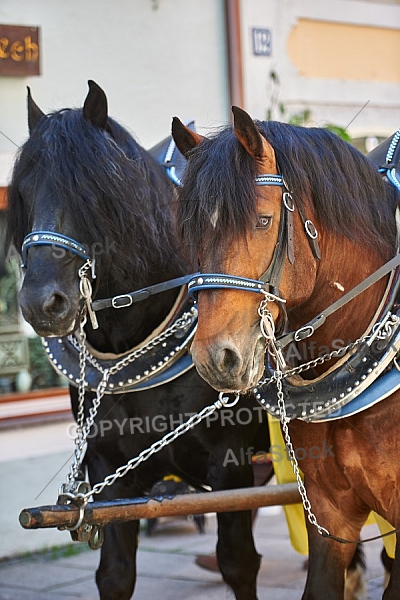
<point x="263" y="222"/>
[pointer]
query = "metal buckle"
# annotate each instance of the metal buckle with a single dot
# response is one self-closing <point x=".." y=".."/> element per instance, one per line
<point x="126" y="301"/>
<point x="311" y="230"/>
<point x="303" y="333"/>
<point x="287" y="200"/>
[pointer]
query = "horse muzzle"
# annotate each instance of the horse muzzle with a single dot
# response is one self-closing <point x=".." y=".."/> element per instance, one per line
<point x="226" y="367"/>
<point x="49" y="311"/>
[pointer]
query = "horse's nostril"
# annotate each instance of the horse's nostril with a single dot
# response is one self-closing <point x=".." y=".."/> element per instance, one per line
<point x="56" y="305"/>
<point x="228" y="360"/>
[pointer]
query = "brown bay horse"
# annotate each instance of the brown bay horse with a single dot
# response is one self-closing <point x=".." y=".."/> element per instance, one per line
<point x="301" y="218"/>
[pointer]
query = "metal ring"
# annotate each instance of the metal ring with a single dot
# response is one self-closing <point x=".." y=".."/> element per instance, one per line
<point x="289" y="206"/>
<point x="223" y="399"/>
<point x="80" y="519"/>
<point x="96" y="538"/>
<point x="311" y="229"/>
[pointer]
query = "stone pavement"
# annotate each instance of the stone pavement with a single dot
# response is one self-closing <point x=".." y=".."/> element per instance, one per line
<point x="166" y="566"/>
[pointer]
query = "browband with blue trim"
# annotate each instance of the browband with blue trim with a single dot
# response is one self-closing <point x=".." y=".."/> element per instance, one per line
<point x="265" y="179"/>
<point x="268" y="179"/>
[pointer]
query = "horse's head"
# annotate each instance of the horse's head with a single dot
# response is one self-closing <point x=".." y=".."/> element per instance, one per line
<point x="238" y="213"/>
<point x="41" y="201"/>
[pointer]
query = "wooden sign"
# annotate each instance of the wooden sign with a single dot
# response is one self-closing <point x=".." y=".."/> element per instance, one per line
<point x="19" y="50"/>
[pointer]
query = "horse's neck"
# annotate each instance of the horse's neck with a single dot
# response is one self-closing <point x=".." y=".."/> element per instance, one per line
<point x="343" y="266"/>
<point x="122" y="329"/>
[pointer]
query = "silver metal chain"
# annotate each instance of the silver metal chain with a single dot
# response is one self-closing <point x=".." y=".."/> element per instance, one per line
<point x="83" y="428"/>
<point x="267" y="327"/>
<point x="381" y="330"/>
<point x="292" y="455"/>
<point x="80" y="439"/>
<point x="223" y="401"/>
<point x="180" y="324"/>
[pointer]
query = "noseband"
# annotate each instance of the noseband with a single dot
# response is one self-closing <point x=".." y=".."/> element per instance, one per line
<point x="56" y="240"/>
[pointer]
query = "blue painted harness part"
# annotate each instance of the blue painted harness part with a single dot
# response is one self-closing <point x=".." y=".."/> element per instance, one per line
<point x="389" y="169"/>
<point x="208" y="281"/>
<point x="50" y="238"/>
<point x="382" y="387"/>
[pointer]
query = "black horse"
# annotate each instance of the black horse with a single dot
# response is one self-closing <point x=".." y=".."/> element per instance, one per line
<point x="82" y="188"/>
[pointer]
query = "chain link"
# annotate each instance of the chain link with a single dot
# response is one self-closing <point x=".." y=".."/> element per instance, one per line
<point x="381" y="330"/>
<point x="180" y="324"/>
<point x="165" y="441"/>
<point x="79" y="441"/>
<point x="313" y="363"/>
<point x="83" y="428"/>
<point x="292" y="455"/>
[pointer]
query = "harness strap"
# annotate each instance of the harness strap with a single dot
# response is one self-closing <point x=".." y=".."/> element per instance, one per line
<point x="389" y="168"/>
<point x="49" y="238"/>
<point x="312" y="234"/>
<point x="273" y="273"/>
<point x="125" y="300"/>
<point x="307" y="330"/>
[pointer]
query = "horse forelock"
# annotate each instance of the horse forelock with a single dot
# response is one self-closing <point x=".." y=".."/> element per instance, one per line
<point x="114" y="195"/>
<point x="218" y="198"/>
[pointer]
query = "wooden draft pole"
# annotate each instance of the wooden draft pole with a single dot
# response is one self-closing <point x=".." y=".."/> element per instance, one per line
<point x="130" y="509"/>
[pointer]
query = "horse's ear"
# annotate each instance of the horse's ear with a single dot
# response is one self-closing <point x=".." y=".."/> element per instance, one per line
<point x="34" y="112"/>
<point x="184" y="138"/>
<point x="249" y="136"/>
<point x="95" y="107"/>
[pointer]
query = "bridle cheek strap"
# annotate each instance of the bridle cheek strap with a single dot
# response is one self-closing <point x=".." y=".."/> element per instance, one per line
<point x="284" y="246"/>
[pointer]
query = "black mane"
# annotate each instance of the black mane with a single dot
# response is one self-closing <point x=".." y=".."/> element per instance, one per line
<point x="348" y="194"/>
<point x="115" y="192"/>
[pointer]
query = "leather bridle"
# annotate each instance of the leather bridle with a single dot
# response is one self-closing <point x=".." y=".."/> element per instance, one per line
<point x="269" y="281"/>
